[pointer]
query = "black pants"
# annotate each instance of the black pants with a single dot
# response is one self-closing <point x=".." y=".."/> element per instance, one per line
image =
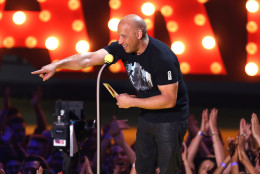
<point x="159" y="145"/>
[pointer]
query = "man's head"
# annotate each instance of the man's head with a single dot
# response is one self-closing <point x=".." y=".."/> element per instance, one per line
<point x="38" y="145"/>
<point x="132" y="33"/>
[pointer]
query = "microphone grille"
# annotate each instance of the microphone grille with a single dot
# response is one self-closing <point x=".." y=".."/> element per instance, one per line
<point x="109" y="58"/>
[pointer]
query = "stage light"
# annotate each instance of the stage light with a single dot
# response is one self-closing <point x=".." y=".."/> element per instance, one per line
<point x="252" y="6"/>
<point x="77" y="25"/>
<point x="172" y="26"/>
<point x="113" y="23"/>
<point x="200" y="19"/>
<point x="1" y="15"/>
<point x="88" y="69"/>
<point x="251" y="69"/>
<point x="202" y="1"/>
<point x="115" y="68"/>
<point x="73" y="4"/>
<point x="9" y="42"/>
<point x="178" y="47"/>
<point x="82" y="46"/>
<point x="45" y="15"/>
<point x="149" y="23"/>
<point x="114" y="4"/>
<point x="41" y="1"/>
<point x="215" y="68"/>
<point x="251" y="48"/>
<point x="208" y="42"/>
<point x="148" y="9"/>
<point x="52" y="43"/>
<point x="31" y="42"/>
<point x="2" y="1"/>
<point x="185" y="67"/>
<point x="251" y="27"/>
<point x="166" y="10"/>
<point x="19" y="17"/>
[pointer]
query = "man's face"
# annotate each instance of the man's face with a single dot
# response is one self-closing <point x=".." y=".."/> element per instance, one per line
<point x="120" y="158"/>
<point x="127" y="37"/>
<point x="36" y="148"/>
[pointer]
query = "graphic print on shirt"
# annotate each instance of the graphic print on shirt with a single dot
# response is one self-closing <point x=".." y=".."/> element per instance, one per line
<point x="140" y="78"/>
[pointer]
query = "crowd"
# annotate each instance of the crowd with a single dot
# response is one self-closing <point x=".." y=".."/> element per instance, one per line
<point x="203" y="149"/>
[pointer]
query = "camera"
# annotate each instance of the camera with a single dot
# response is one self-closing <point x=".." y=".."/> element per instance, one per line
<point x="71" y="128"/>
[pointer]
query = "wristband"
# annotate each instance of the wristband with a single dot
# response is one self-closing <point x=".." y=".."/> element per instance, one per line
<point x="133" y="165"/>
<point x="234" y="164"/>
<point x="201" y="134"/>
<point x="108" y="136"/>
<point x="223" y="165"/>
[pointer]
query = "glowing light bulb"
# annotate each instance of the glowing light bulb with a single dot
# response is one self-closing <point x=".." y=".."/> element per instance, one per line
<point x="202" y="1"/>
<point x="185" y="67"/>
<point x="215" y="68"/>
<point x="88" y="69"/>
<point x="113" y="23"/>
<point x="19" y="17"/>
<point x="148" y="9"/>
<point x="251" y="27"/>
<point x="178" y="47"/>
<point x="52" y="43"/>
<point x="73" y="4"/>
<point x="208" y="42"/>
<point x="166" y="10"/>
<point x="149" y="23"/>
<point x="252" y="6"/>
<point x="77" y="25"/>
<point x="115" y="68"/>
<point x="200" y="19"/>
<point x="251" y="48"/>
<point x="251" y="69"/>
<point x="82" y="46"/>
<point x="31" y="42"/>
<point x="8" y="42"/>
<point x="115" y="4"/>
<point x="45" y="15"/>
<point x="172" y="26"/>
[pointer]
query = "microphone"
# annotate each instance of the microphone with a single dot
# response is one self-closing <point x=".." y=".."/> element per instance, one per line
<point x="109" y="59"/>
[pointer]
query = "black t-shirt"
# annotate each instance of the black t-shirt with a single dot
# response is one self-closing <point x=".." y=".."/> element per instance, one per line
<point x="157" y="65"/>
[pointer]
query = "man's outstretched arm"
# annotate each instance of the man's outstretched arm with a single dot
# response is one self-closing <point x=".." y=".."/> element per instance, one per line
<point x="74" y="62"/>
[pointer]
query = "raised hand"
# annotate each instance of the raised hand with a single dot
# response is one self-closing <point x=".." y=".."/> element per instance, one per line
<point x="255" y="128"/>
<point x="46" y="71"/>
<point x="204" y="121"/>
<point x="245" y="128"/>
<point x="213" y="120"/>
<point x="117" y="125"/>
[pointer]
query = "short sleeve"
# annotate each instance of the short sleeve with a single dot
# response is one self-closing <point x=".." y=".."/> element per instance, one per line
<point x="116" y="50"/>
<point x="166" y="69"/>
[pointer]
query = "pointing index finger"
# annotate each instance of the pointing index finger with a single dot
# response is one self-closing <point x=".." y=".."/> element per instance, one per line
<point x="38" y="71"/>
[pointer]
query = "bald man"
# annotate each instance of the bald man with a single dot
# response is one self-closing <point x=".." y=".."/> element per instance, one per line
<point x="154" y="71"/>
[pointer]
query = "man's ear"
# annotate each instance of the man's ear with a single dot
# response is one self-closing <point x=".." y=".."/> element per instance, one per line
<point x="139" y="34"/>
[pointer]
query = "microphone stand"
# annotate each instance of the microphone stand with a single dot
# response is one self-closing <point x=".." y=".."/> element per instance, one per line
<point x="98" y="117"/>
